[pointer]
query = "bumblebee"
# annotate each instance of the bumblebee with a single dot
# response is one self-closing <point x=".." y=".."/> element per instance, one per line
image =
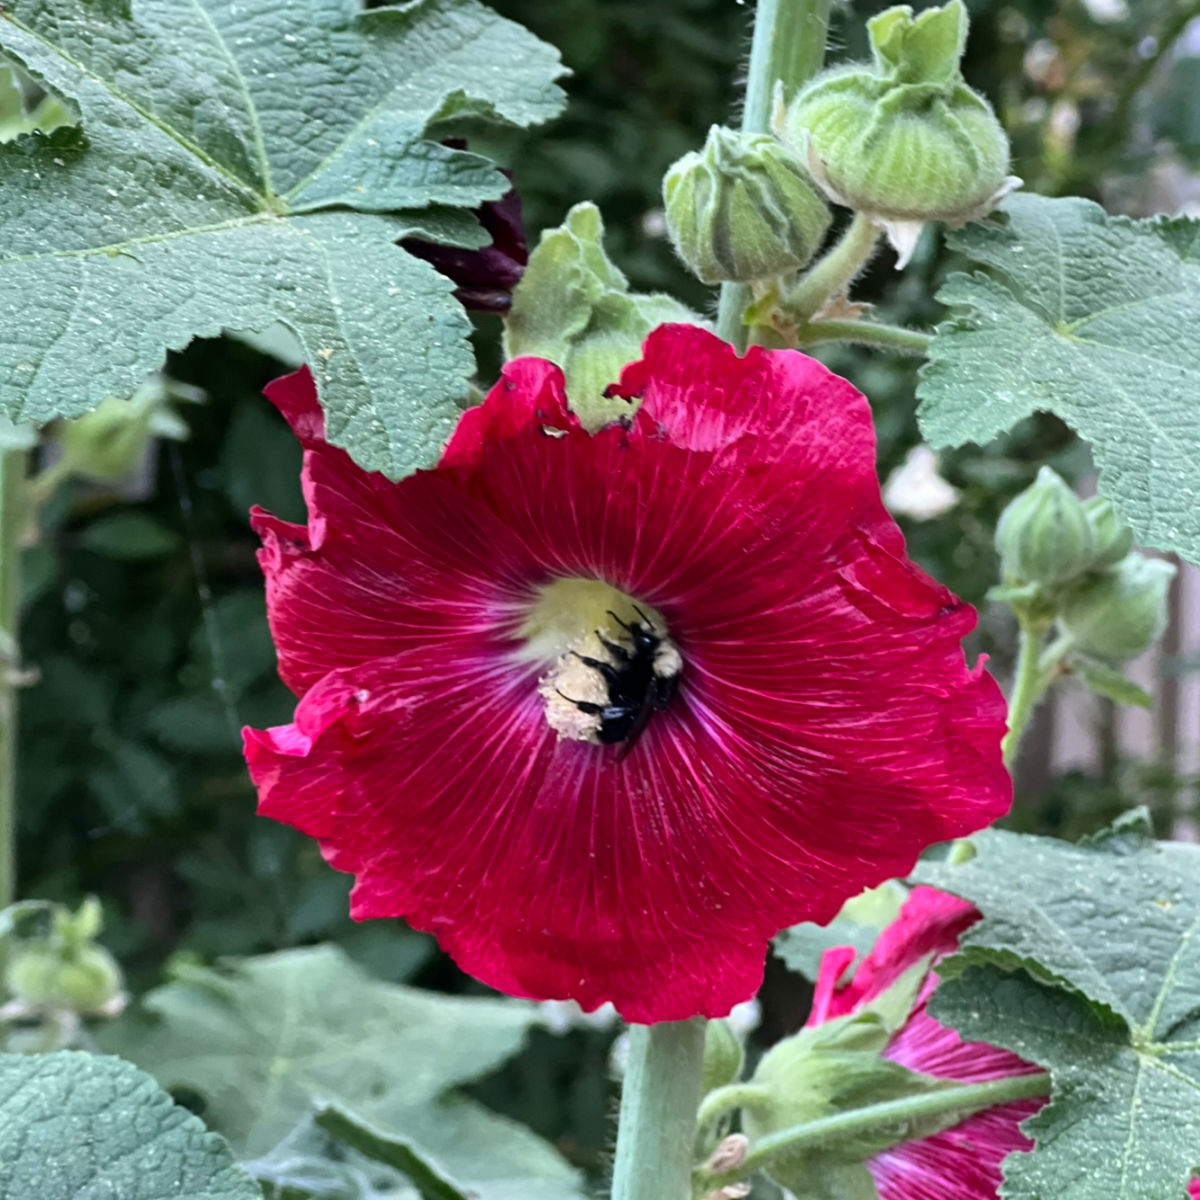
<point x="641" y="679"/>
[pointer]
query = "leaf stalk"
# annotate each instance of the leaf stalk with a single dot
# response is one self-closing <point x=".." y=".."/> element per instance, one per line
<point x="12" y="517"/>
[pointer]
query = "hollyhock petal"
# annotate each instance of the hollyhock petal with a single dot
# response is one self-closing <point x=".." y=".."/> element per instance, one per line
<point x="295" y="396"/>
<point x="970" y="1153"/>
<point x="824" y="729"/>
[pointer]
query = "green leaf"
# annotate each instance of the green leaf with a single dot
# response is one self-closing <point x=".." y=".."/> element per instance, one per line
<point x="84" y="1127"/>
<point x="458" y="1150"/>
<point x="1107" y="936"/>
<point x="858" y="924"/>
<point x="1122" y="1122"/>
<point x="207" y="185"/>
<point x="1109" y="682"/>
<point x="1095" y="319"/>
<point x="260" y="1040"/>
<point x="130" y="536"/>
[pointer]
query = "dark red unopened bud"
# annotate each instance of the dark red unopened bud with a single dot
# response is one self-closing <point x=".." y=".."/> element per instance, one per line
<point x="486" y="277"/>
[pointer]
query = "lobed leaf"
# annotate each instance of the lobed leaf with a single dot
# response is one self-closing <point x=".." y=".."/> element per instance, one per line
<point x="1090" y="317"/>
<point x="77" y="1126"/>
<point x="458" y="1150"/>
<point x="1091" y="968"/>
<point x="262" y="1040"/>
<point x="243" y="162"/>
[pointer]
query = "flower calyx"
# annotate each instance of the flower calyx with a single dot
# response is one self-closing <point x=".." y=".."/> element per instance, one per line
<point x="574" y="308"/>
<point x="743" y="209"/>
<point x="107" y="443"/>
<point x="834" y="1068"/>
<point x="903" y="139"/>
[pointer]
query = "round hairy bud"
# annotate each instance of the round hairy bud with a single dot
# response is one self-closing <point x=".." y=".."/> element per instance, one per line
<point x="903" y="138"/>
<point x="743" y="209"/>
<point x="42" y="977"/>
<point x="1119" y="613"/>
<point x="1114" y="539"/>
<point x="1044" y="535"/>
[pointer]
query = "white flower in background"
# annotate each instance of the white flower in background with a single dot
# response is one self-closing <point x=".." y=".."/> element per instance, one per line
<point x="561" y="1016"/>
<point x="1107" y="11"/>
<point x="915" y="489"/>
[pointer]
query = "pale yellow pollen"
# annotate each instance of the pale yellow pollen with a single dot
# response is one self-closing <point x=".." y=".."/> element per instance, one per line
<point x="570" y="679"/>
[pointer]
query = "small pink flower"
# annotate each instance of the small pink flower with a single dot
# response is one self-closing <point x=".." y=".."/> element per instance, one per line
<point x="604" y="713"/>
<point x="962" y="1162"/>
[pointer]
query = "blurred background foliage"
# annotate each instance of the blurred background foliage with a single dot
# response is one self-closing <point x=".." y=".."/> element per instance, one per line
<point x="144" y="617"/>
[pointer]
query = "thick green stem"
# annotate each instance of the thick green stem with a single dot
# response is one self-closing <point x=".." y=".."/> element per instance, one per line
<point x="1029" y="685"/>
<point x="788" y="49"/>
<point x="657" y="1130"/>
<point x="835" y="272"/>
<point x="865" y="333"/>
<point x="12" y="515"/>
<point x="910" y="1111"/>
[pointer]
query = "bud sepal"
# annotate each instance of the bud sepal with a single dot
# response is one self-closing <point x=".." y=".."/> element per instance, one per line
<point x="1117" y="614"/>
<point x="574" y="308"/>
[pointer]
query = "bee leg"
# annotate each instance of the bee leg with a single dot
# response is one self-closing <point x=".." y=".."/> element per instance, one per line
<point x="584" y="706"/>
<point x="614" y="648"/>
<point x="610" y="673"/>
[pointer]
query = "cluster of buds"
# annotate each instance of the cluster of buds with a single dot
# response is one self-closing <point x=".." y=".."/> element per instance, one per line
<point x="57" y="977"/>
<point x="1072" y="561"/>
<point x="901" y="139"/>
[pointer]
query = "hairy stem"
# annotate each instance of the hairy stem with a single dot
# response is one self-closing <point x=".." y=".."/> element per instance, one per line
<point x="788" y="49"/>
<point x="1029" y="685"/>
<point x="865" y="333"/>
<point x="724" y="1100"/>
<point x="657" y="1129"/>
<point x="12" y="514"/>
<point x="836" y="271"/>
<point x="965" y="1099"/>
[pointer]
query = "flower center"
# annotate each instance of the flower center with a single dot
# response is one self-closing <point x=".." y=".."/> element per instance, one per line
<point x="613" y="664"/>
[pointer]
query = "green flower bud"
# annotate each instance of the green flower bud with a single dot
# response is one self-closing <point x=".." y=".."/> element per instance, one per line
<point x="65" y="970"/>
<point x="743" y="209"/>
<point x="1119" y="613"/>
<point x="723" y="1056"/>
<point x="903" y="139"/>
<point x="89" y="981"/>
<point x="42" y="978"/>
<point x="1114" y="539"/>
<point x="32" y="973"/>
<point x="109" y="442"/>
<point x="1044" y="535"/>
<point x="575" y="308"/>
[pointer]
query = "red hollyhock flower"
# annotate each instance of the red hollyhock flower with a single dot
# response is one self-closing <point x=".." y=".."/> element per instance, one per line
<point x="970" y="1153"/>
<point x="604" y="713"/>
